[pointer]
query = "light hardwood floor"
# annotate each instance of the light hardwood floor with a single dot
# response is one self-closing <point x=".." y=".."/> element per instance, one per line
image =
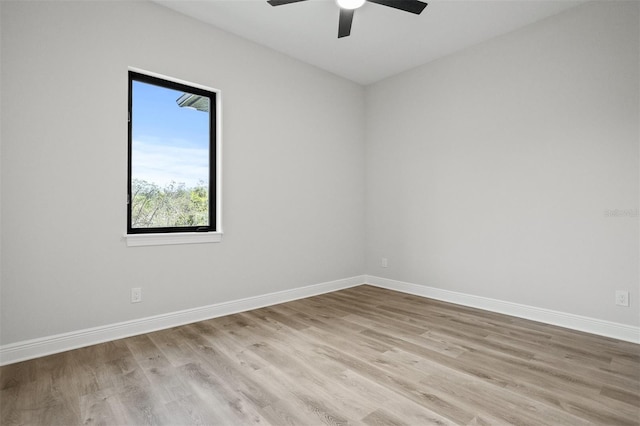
<point x="363" y="356"/>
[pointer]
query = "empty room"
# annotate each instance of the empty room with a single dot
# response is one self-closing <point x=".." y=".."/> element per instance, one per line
<point x="380" y="212"/>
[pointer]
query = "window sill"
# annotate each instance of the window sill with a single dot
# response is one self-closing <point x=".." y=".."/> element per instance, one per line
<point x="137" y="240"/>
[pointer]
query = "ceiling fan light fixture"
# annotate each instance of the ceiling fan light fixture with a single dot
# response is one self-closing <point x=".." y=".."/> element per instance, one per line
<point x="348" y="7"/>
<point x="350" y="4"/>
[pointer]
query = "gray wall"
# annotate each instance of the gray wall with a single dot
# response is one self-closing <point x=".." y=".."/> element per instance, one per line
<point x="490" y="171"/>
<point x="487" y="172"/>
<point x="293" y="168"/>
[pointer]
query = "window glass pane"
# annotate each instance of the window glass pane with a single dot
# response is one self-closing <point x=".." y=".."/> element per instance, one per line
<point x="169" y="157"/>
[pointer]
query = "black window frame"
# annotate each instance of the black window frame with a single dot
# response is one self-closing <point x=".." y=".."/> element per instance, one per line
<point x="213" y="143"/>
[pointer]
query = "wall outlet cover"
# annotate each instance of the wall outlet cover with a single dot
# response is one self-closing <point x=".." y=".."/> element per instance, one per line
<point x="136" y="295"/>
<point x="622" y="298"/>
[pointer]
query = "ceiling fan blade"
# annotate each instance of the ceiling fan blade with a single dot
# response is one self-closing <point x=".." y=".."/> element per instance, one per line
<point x="412" y="6"/>
<point x="281" y="2"/>
<point x="344" y="23"/>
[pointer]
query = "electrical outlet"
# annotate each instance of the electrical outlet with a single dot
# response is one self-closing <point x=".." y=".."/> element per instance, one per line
<point x="384" y="263"/>
<point x="622" y="298"/>
<point x="136" y="295"/>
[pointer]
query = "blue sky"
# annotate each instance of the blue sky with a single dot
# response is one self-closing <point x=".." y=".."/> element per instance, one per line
<point x="169" y="143"/>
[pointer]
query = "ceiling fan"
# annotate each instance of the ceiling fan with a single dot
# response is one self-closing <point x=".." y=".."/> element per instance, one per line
<point x="348" y="7"/>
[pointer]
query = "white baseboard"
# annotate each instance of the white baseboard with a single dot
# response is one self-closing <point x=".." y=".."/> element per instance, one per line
<point x="619" y="331"/>
<point x="29" y="349"/>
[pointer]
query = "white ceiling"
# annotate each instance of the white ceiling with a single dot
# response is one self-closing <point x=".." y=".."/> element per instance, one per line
<point x="383" y="41"/>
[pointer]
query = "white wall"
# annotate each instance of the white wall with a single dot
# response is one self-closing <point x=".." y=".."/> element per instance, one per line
<point x="293" y="168"/>
<point x="489" y="172"/>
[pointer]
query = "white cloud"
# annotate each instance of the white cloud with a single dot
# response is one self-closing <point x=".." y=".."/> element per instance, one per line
<point x="162" y="164"/>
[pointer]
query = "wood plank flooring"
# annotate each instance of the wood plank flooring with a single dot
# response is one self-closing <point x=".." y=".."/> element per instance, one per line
<point x="359" y="356"/>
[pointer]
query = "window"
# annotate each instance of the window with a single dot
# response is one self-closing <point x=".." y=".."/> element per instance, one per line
<point x="173" y="174"/>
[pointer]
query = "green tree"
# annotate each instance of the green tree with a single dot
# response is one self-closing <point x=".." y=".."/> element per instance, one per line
<point x="174" y="205"/>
